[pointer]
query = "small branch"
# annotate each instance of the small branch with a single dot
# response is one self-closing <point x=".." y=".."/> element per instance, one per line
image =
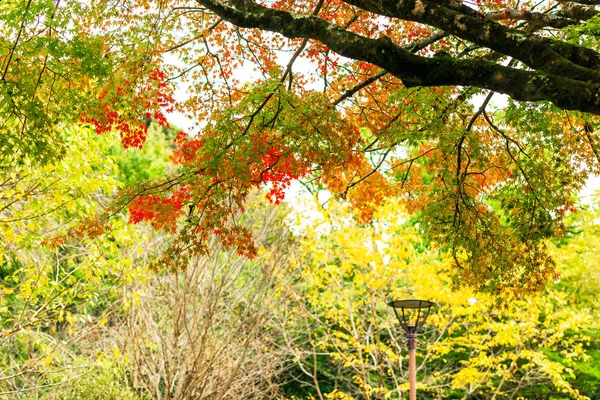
<point x="351" y="185"/>
<point x="588" y="130"/>
<point x="460" y="174"/>
<point x="12" y="50"/>
<point x="201" y="35"/>
<point x="351" y="92"/>
<point x="585" y="2"/>
<point x="515" y="160"/>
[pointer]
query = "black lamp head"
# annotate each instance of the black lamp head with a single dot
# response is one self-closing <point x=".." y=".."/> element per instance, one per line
<point x="411" y="314"/>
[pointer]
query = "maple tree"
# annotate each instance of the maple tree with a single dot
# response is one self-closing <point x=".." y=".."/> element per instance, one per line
<point x="386" y="104"/>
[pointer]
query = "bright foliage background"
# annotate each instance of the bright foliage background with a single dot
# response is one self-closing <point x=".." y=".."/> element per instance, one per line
<point x="139" y="261"/>
<point x="307" y="318"/>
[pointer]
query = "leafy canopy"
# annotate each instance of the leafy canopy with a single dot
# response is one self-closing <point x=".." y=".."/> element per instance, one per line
<point x="387" y="102"/>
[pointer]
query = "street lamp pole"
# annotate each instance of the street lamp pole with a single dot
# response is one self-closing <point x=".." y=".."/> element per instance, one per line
<point x="412" y="364"/>
<point x="412" y="315"/>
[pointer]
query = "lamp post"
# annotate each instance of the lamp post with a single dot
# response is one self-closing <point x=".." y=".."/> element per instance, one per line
<point x="412" y="315"/>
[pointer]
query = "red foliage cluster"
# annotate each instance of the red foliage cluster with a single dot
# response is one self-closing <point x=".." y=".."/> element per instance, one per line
<point x="418" y="32"/>
<point x="109" y="119"/>
<point x="267" y="162"/>
<point x="186" y="148"/>
<point x="154" y="98"/>
<point x="162" y="213"/>
<point x="279" y="170"/>
<point x="273" y="162"/>
<point x="158" y="98"/>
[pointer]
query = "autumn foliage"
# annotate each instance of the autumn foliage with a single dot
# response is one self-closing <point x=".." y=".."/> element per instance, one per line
<point x="364" y="100"/>
<point x="154" y="100"/>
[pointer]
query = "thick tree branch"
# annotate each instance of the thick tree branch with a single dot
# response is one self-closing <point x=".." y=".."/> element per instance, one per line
<point x="578" y="11"/>
<point x="539" y="53"/>
<point x="585" y="2"/>
<point x="412" y="47"/>
<point x="570" y="14"/>
<point x="414" y="70"/>
<point x="535" y="18"/>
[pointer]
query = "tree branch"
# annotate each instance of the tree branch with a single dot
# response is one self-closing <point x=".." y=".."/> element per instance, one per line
<point x="536" y="52"/>
<point x="564" y="91"/>
<point x="585" y="2"/>
<point x="535" y="18"/>
<point x="578" y="11"/>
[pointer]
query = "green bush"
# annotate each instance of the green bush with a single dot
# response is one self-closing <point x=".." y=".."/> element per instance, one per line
<point x="97" y="383"/>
